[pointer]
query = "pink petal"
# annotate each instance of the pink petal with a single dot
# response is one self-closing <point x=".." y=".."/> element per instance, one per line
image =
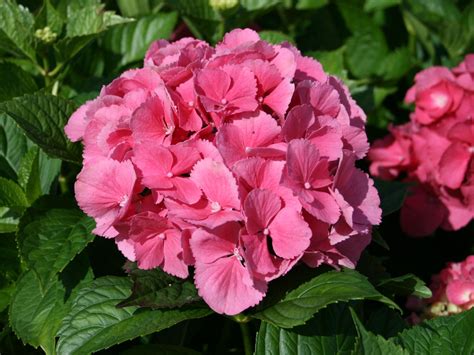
<point x="279" y="98"/>
<point x="234" y="139"/>
<point x="460" y="292"/>
<point x="217" y="183"/>
<point x="209" y="246"/>
<point x="453" y="165"/>
<point x="227" y="286"/>
<point x="290" y="233"/>
<point x="173" y="262"/>
<point x="76" y="126"/>
<point x="260" y="207"/>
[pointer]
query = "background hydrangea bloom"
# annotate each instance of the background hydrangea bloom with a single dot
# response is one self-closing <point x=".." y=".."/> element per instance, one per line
<point x="435" y="150"/>
<point x="237" y="160"/>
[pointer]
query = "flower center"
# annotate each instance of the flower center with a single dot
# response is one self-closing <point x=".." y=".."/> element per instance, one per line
<point x="237" y="254"/>
<point x="224" y="101"/>
<point x="266" y="231"/>
<point x="215" y="207"/>
<point x="169" y="130"/>
<point x="169" y="174"/>
<point x="123" y="201"/>
<point x="439" y="99"/>
<point x="471" y="149"/>
<point x="191" y="103"/>
<point x="307" y="185"/>
<point x="161" y="236"/>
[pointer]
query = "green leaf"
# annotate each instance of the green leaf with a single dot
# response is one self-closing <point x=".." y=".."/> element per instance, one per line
<point x="162" y="349"/>
<point x="156" y="289"/>
<point x="392" y="194"/>
<point x="49" y="16"/>
<point x="396" y="64"/>
<point x="275" y="37"/>
<point x="335" y="286"/>
<point x="386" y="322"/>
<point x="200" y="9"/>
<point x="365" y="51"/>
<point x="13" y="145"/>
<point x="442" y="335"/>
<point x="371" y="344"/>
<point x="43" y="118"/>
<point x="5" y="296"/>
<point x="29" y="175"/>
<point x="36" y="310"/>
<point x="11" y="195"/>
<point x="405" y="285"/>
<point x="95" y="323"/>
<point x="16" y="29"/>
<point x="49" y="170"/>
<point x="332" y="61"/>
<point x="48" y="240"/>
<point x="135" y="8"/>
<point x="15" y="81"/>
<point x="9" y="220"/>
<point x="435" y="11"/>
<point x="132" y="40"/>
<point x="254" y="5"/>
<point x="310" y="4"/>
<point x="331" y="331"/>
<point x="371" y="5"/>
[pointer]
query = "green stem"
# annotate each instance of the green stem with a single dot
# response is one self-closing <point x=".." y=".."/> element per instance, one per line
<point x="244" y="328"/>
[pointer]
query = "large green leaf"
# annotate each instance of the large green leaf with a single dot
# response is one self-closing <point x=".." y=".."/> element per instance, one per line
<point x="443" y="335"/>
<point x="310" y="4"/>
<point x="95" y="323"/>
<point x="396" y="64"/>
<point x="49" y="240"/>
<point x="132" y="40"/>
<point x="37" y="309"/>
<point x="298" y="306"/>
<point x="371" y="5"/>
<point x="157" y="289"/>
<point x="43" y="118"/>
<point x="370" y="344"/>
<point x="11" y="194"/>
<point x="331" y="331"/>
<point x="16" y="29"/>
<point x="15" y="82"/>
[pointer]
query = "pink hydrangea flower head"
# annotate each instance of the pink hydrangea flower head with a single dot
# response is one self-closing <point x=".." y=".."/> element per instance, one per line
<point x="234" y="161"/>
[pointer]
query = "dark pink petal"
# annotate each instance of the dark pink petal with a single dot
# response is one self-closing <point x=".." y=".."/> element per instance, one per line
<point x="453" y="165"/>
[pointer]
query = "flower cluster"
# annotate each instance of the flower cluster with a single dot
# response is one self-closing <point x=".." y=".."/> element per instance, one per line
<point x="435" y="150"/>
<point x="238" y="160"/>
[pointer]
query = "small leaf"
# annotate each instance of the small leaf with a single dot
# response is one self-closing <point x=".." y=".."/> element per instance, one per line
<point x="405" y="285"/>
<point x="43" y="118"/>
<point x="11" y="195"/>
<point x="392" y="194"/>
<point x="371" y="5"/>
<point x="29" y="175"/>
<point x="13" y="145"/>
<point x="132" y="40"/>
<point x="253" y="5"/>
<point x="301" y="303"/>
<point x="371" y="344"/>
<point x="331" y="331"/>
<point x="48" y="240"/>
<point x="95" y="323"/>
<point x="365" y="51"/>
<point x="16" y="29"/>
<point x="311" y="4"/>
<point x="396" y="64"/>
<point x="275" y="37"/>
<point x="9" y="220"/>
<point x="156" y="289"/>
